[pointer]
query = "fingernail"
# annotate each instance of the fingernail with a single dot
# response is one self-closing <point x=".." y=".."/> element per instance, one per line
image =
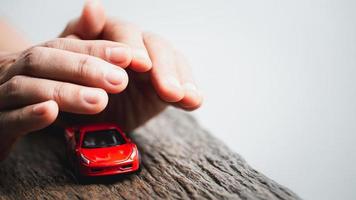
<point x="91" y="96"/>
<point x="173" y="83"/>
<point x="39" y="109"/>
<point x="117" y="54"/>
<point x="191" y="87"/>
<point x="143" y="56"/>
<point x="192" y="90"/>
<point x="91" y="3"/>
<point x="115" y="76"/>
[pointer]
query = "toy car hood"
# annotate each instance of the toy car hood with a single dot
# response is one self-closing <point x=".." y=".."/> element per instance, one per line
<point x="108" y="154"/>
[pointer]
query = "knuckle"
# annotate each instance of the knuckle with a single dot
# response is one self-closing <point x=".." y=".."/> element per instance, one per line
<point x="11" y="87"/>
<point x="92" y="50"/>
<point x="124" y="26"/>
<point x="155" y="38"/>
<point x="58" y="93"/>
<point x="58" y="43"/>
<point x="86" y="67"/>
<point x="10" y="90"/>
<point x="8" y="66"/>
<point x="31" y="59"/>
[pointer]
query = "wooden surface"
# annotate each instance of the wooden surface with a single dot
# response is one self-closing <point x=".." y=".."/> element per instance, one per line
<point x="179" y="160"/>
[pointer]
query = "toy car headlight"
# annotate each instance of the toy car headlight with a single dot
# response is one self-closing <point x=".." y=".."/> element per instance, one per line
<point x="133" y="154"/>
<point x="84" y="159"/>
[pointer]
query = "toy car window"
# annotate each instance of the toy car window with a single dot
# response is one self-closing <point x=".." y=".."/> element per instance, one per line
<point x="102" y="138"/>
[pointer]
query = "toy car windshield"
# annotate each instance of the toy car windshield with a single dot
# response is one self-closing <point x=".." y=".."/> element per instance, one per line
<point x="102" y="138"/>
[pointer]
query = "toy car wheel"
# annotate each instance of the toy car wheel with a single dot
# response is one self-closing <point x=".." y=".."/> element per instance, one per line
<point x="139" y="163"/>
<point x="80" y="178"/>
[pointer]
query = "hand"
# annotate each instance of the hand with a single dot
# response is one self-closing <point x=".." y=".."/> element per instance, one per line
<point x="158" y="74"/>
<point x="63" y="74"/>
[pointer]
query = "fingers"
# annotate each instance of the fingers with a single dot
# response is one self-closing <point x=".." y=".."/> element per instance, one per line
<point x="114" y="52"/>
<point x="171" y="75"/>
<point x="15" y="123"/>
<point x="71" y="67"/>
<point x="164" y="75"/>
<point x="91" y="22"/>
<point x="29" y="118"/>
<point x="23" y="90"/>
<point x="123" y="32"/>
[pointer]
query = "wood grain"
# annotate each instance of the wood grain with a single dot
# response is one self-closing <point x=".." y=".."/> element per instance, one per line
<point x="180" y="160"/>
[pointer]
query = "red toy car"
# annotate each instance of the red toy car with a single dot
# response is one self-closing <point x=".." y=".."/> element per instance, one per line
<point x="101" y="149"/>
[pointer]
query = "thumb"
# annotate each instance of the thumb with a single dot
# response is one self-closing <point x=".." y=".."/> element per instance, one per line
<point x="90" y="24"/>
<point x="16" y="123"/>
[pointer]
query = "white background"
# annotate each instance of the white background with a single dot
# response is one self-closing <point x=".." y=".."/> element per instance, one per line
<point x="278" y="77"/>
